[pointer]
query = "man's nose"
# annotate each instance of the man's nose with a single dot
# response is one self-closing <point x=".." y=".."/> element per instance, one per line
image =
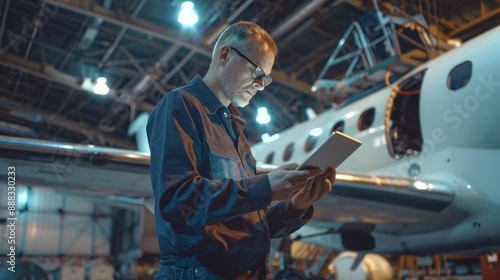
<point x="259" y="83"/>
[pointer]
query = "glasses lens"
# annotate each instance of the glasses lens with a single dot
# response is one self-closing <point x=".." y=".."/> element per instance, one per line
<point x="267" y="80"/>
<point x="259" y="73"/>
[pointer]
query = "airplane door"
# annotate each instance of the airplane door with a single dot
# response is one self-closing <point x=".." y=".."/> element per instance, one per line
<point x="403" y="128"/>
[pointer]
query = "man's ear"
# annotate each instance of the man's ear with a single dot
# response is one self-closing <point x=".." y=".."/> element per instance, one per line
<point x="224" y="55"/>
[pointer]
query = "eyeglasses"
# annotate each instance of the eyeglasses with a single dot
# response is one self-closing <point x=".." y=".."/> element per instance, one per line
<point x="257" y="72"/>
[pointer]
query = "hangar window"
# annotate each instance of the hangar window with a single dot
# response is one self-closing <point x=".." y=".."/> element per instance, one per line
<point x="339" y="126"/>
<point x="460" y="75"/>
<point x="288" y="152"/>
<point x="403" y="130"/>
<point x="366" y="119"/>
<point x="311" y="142"/>
<point x="269" y="158"/>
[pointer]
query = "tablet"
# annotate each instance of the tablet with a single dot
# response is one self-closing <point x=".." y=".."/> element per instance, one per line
<point x="337" y="148"/>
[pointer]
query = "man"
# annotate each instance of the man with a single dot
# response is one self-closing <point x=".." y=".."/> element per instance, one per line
<point x="212" y="212"/>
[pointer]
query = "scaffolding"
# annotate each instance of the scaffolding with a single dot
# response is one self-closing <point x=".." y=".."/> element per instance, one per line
<point x="372" y="49"/>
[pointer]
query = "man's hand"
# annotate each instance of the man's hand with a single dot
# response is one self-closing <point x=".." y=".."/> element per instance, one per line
<point x="315" y="188"/>
<point x="286" y="181"/>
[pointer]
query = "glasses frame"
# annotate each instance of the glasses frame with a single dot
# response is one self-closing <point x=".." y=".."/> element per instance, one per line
<point x="267" y="79"/>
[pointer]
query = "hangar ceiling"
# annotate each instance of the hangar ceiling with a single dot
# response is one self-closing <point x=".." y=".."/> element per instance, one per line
<point x="49" y="48"/>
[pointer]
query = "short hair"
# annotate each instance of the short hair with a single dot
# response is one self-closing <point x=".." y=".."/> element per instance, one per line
<point x="237" y="35"/>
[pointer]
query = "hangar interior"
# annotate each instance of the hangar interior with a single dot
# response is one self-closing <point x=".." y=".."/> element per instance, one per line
<point x="53" y="51"/>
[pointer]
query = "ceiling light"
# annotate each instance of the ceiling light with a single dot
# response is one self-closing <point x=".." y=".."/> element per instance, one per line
<point x="187" y="16"/>
<point x="262" y="116"/>
<point x="101" y="87"/>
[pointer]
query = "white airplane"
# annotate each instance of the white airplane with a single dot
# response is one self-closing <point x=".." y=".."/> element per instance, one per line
<point x="425" y="179"/>
<point x="423" y="182"/>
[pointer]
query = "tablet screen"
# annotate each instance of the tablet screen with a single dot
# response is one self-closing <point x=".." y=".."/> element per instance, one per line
<point x="337" y="148"/>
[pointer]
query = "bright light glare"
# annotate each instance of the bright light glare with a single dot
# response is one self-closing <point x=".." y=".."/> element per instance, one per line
<point x="350" y="115"/>
<point x="266" y="138"/>
<point x="262" y="116"/>
<point x="187" y="16"/>
<point x="316" y="131"/>
<point x="22" y="198"/>
<point x="101" y="87"/>
<point x="455" y="42"/>
<point x="421" y="185"/>
<point x="188" y="5"/>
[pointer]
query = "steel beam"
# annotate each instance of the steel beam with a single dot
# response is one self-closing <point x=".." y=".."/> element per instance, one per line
<point x="77" y="127"/>
<point x="474" y="22"/>
<point x="91" y="33"/>
<point x="213" y="36"/>
<point x="177" y="67"/>
<point x="38" y="69"/>
<point x="124" y="20"/>
<point x="146" y="27"/>
<point x="5" y="6"/>
<point x="293" y="83"/>
<point x="48" y="72"/>
<point x="300" y="14"/>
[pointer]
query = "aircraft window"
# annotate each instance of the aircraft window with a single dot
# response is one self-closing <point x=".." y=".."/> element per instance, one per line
<point x="269" y="158"/>
<point x="460" y="76"/>
<point x="366" y="119"/>
<point x="288" y="152"/>
<point x="310" y="143"/>
<point x="339" y="126"/>
<point x="403" y="121"/>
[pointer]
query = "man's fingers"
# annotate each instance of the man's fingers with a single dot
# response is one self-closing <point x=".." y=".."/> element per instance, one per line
<point x="301" y="177"/>
<point x="321" y="187"/>
<point x="330" y="173"/>
<point x="312" y="189"/>
<point x="307" y="186"/>
<point x="288" y="166"/>
<point x="327" y="186"/>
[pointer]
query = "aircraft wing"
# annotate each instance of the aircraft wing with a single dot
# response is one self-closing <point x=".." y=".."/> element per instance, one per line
<point x="84" y="169"/>
<point x="380" y="200"/>
<point x="384" y="202"/>
<point x="382" y="214"/>
<point x="355" y="198"/>
<point x="375" y="213"/>
<point x="382" y="196"/>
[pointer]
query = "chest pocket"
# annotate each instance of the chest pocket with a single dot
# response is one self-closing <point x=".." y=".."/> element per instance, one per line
<point x="225" y="162"/>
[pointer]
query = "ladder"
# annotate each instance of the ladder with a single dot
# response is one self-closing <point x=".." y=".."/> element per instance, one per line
<point x="370" y="50"/>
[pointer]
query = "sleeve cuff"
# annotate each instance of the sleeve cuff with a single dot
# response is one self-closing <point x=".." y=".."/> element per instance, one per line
<point x="259" y="192"/>
<point x="307" y="214"/>
<point x="303" y="215"/>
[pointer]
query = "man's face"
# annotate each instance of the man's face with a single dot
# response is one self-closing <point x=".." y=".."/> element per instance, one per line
<point x="238" y="85"/>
